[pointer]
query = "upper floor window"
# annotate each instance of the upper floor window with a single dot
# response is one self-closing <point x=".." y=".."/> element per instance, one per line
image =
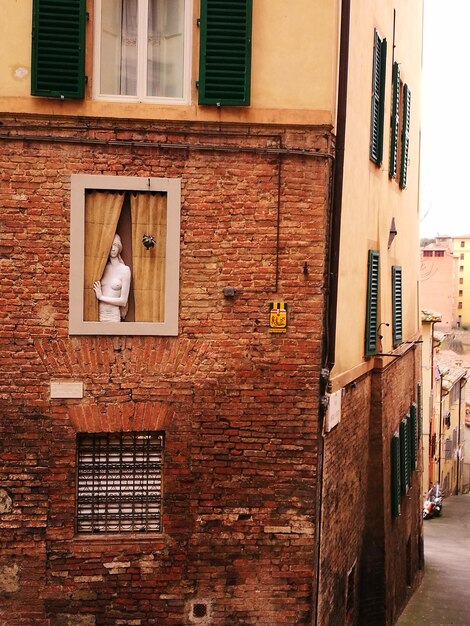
<point x="427" y="252"/>
<point x="462" y="256"/>
<point x="439" y="253"/>
<point x="462" y="244"/>
<point x="378" y="96"/>
<point x="142" y="50"/>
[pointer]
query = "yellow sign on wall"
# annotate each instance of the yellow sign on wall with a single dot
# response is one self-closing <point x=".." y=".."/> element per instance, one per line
<point x="278" y="317"/>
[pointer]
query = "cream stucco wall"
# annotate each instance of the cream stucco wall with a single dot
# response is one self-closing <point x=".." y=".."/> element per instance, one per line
<point x="370" y="199"/>
<point x="294" y="68"/>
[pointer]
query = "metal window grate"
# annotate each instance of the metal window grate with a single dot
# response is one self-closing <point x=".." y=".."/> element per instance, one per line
<point x="119" y="484"/>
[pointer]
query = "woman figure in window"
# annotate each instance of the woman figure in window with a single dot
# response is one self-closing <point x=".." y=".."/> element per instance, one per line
<point x="112" y="290"/>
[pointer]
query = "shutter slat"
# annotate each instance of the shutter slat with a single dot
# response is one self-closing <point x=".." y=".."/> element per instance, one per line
<point x="58" y="48"/>
<point x="225" y="57"/>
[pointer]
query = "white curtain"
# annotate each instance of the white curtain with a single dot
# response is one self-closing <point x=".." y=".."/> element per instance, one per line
<point x="129" y="48"/>
<point x="118" y="55"/>
<point x="165" y="48"/>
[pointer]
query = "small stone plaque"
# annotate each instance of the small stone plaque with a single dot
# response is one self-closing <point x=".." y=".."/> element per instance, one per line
<point x="333" y="413"/>
<point x="61" y="389"/>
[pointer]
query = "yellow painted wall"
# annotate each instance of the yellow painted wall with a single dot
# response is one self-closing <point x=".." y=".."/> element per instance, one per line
<point x="463" y="274"/>
<point x="15" y="48"/>
<point x="294" y="60"/>
<point x="370" y="198"/>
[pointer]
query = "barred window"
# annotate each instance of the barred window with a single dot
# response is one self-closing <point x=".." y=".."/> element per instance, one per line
<point x="119" y="484"/>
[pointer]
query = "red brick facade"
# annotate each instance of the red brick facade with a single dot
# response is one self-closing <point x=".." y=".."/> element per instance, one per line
<point x="238" y="405"/>
<point x="358" y="529"/>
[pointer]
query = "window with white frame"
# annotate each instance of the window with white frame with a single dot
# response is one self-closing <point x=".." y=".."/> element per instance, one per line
<point x="142" y="50"/>
<point x="133" y="289"/>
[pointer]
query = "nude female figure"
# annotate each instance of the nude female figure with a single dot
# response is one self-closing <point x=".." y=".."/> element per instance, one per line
<point x="112" y="290"/>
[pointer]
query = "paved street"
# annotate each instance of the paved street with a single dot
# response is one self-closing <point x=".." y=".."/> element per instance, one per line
<point x="444" y="596"/>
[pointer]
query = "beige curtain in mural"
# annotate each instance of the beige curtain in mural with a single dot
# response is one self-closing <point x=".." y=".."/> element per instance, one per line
<point x="149" y="217"/>
<point x="102" y="211"/>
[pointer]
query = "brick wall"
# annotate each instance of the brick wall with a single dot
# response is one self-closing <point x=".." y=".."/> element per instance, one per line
<point x="388" y="574"/>
<point x="357" y="527"/>
<point x="344" y="500"/>
<point x="238" y="405"/>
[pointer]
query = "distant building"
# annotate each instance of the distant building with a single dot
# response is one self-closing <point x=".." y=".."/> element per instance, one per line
<point x="438" y="281"/>
<point x="462" y="254"/>
<point x="448" y="425"/>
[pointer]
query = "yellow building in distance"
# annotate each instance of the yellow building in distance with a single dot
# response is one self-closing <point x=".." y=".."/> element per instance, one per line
<point x="462" y="253"/>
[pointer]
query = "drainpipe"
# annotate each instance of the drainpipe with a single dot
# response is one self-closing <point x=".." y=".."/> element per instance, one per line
<point x="329" y="334"/>
<point x="335" y="226"/>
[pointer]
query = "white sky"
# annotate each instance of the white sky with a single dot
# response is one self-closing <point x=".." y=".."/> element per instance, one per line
<point x="445" y="122"/>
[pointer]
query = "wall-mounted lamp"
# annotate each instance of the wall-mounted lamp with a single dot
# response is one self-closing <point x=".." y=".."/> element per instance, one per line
<point x="378" y="329"/>
<point x="393" y="233"/>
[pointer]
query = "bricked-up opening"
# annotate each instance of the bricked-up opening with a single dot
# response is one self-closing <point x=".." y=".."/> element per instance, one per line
<point x="119" y="483"/>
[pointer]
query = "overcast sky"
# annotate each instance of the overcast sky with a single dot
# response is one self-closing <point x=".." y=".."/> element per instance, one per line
<point x="445" y="140"/>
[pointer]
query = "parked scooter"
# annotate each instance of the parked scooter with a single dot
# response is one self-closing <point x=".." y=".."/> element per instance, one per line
<point x="433" y="504"/>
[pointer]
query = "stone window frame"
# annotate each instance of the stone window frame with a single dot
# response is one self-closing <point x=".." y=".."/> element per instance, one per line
<point x="79" y="184"/>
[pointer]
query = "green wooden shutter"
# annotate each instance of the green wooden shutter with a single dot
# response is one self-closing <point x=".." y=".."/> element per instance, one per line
<point x="395" y="120"/>
<point x="225" y="52"/>
<point x="405" y="136"/>
<point x="395" y="475"/>
<point x="414" y="435"/>
<point x="404" y="456"/>
<point x="372" y="310"/>
<point x="419" y="410"/>
<point x="378" y="98"/>
<point x="397" y="305"/>
<point x="58" y="48"/>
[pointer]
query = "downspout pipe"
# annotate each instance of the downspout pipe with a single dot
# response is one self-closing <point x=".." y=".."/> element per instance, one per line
<point x="329" y="335"/>
<point x="337" y="200"/>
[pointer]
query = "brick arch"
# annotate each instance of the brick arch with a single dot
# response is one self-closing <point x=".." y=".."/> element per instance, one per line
<point x="124" y="416"/>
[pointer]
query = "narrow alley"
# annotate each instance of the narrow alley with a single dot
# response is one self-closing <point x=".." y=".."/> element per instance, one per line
<point x="443" y="598"/>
